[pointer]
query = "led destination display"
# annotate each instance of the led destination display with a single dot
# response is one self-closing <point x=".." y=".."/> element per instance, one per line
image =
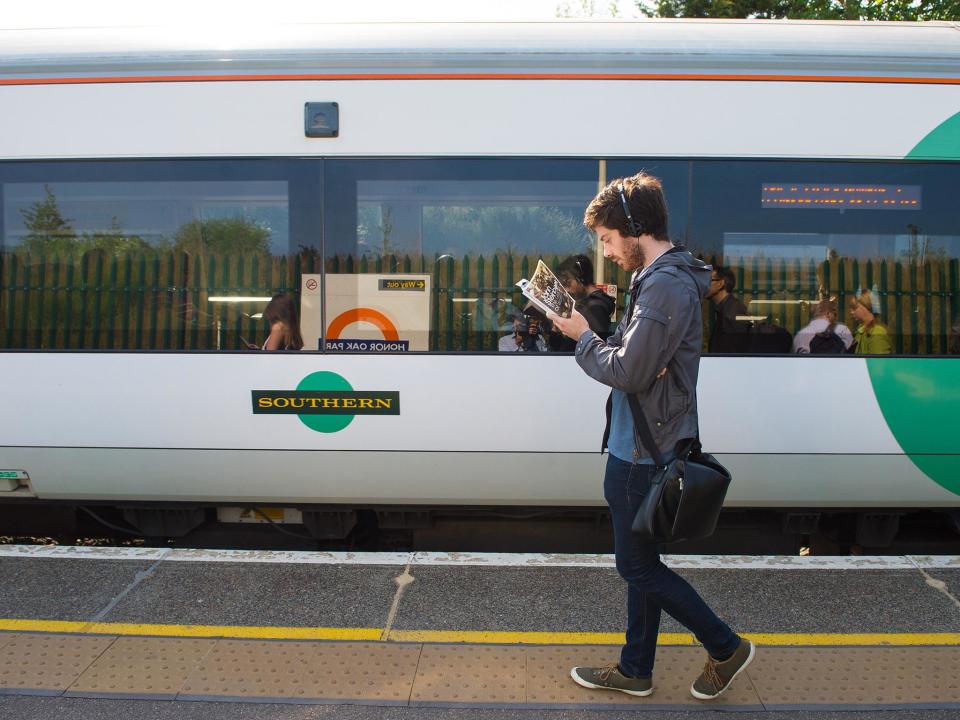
<point x="840" y="196"/>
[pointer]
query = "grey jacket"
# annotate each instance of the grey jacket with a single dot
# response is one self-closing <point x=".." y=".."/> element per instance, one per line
<point x="664" y="330"/>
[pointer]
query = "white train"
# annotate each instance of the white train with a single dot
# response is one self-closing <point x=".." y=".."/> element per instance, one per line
<point x="157" y="186"/>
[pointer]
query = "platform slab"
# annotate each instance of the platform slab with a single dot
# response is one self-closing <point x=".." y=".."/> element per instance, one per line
<point x="455" y="675"/>
<point x="379" y="673"/>
<point x="153" y="668"/>
<point x="858" y="677"/>
<point x="254" y="594"/>
<point x="32" y="587"/>
<point x="47" y="664"/>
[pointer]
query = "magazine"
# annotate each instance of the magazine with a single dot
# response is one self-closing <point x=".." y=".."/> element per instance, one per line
<point x="546" y="292"/>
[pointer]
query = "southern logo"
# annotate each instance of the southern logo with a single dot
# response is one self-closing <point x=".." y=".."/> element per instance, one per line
<point x="326" y="402"/>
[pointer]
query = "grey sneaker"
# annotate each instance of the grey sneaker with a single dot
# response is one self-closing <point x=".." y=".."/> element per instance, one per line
<point x="610" y="678"/>
<point x="717" y="676"/>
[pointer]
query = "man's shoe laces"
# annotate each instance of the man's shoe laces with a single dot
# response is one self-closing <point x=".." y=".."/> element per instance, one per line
<point x="604" y="673"/>
<point x="711" y="674"/>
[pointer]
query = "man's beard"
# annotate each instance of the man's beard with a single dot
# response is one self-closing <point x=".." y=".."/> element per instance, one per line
<point x="636" y="256"/>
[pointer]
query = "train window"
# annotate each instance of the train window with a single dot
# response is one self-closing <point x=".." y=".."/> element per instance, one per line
<point x="801" y="239"/>
<point x="150" y="255"/>
<point x="425" y="254"/>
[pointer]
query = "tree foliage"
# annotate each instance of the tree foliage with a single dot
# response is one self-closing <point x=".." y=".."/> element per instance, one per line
<point x="50" y="234"/>
<point x="222" y="235"/>
<point x="899" y="10"/>
<point x="48" y="231"/>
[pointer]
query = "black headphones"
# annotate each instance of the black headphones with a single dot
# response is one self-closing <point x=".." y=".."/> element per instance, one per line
<point x="636" y="229"/>
<point x="581" y="275"/>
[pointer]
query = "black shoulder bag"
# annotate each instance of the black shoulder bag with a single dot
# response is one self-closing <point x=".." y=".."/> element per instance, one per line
<point x="685" y="495"/>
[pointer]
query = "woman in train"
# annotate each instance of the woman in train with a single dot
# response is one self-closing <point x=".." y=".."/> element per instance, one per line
<point x="284" y="323"/>
<point x="871" y="337"/>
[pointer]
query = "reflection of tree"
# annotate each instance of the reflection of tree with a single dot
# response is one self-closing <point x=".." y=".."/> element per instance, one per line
<point x="919" y="248"/>
<point x="890" y="10"/>
<point x="375" y="220"/>
<point x="48" y="230"/>
<point x="51" y="234"/>
<point x="217" y="236"/>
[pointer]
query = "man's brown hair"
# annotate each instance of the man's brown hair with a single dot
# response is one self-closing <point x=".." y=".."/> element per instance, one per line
<point x="644" y="196"/>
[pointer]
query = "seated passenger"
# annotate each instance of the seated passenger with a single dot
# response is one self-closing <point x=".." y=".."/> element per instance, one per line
<point x="728" y="335"/>
<point x="871" y="336"/>
<point x="284" y="324"/>
<point x="822" y="330"/>
<point x="953" y="343"/>
<point x="576" y="274"/>
<point x="526" y="336"/>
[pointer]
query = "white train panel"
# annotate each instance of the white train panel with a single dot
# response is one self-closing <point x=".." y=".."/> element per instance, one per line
<point x="479" y="117"/>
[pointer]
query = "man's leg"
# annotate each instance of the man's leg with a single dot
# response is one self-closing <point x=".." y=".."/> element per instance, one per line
<point x="653" y="586"/>
<point x="633" y="674"/>
<point x="624" y="486"/>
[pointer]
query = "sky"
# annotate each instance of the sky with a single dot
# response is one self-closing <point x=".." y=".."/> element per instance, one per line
<point x="92" y="13"/>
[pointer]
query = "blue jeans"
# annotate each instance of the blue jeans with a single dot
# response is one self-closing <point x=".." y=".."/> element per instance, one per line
<point x="651" y="585"/>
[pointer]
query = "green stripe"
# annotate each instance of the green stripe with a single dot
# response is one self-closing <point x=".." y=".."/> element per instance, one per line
<point x="941" y="143"/>
<point x="919" y="398"/>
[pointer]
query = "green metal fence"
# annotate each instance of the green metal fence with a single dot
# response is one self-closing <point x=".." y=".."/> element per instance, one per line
<point x="137" y="301"/>
<point x="160" y="300"/>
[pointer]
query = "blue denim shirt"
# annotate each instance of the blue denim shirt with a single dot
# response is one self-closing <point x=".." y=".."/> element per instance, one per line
<point x="621" y="443"/>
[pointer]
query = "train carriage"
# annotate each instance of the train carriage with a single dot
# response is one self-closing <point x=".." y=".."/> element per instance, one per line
<point x="159" y="185"/>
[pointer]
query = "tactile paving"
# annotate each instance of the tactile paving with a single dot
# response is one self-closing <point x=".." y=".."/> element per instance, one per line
<point x="549" y="681"/>
<point x="47" y="664"/>
<point x="793" y="677"/>
<point x="303" y="671"/>
<point x="463" y="675"/>
<point x="152" y="668"/>
<point x="470" y="674"/>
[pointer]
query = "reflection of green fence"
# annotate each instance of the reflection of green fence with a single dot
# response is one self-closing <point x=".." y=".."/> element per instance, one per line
<point x="918" y="301"/>
<point x="139" y="301"/>
<point x="160" y="300"/>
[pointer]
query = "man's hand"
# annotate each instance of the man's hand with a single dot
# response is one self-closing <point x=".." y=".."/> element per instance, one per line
<point x="573" y="327"/>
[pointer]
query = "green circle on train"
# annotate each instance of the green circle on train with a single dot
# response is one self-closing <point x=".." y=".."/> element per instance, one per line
<point x="325" y="380"/>
<point x="919" y="398"/>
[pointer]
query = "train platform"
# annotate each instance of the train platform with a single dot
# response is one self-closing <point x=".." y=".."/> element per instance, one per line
<point x="459" y="631"/>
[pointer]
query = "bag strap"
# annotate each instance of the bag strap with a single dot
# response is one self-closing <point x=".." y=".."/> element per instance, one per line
<point x="642" y="432"/>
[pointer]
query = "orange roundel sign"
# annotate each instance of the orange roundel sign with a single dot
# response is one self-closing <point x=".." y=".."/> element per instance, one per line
<point x="374" y="317"/>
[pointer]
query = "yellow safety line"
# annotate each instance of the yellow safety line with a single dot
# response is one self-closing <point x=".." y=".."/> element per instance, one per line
<point x="456" y="636"/>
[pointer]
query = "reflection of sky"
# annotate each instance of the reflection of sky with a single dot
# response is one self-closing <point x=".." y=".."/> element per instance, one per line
<point x="153" y="211"/>
<point x="816" y="247"/>
<point x="473" y="216"/>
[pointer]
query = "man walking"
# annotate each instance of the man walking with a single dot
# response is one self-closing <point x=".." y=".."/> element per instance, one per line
<point x="655" y="355"/>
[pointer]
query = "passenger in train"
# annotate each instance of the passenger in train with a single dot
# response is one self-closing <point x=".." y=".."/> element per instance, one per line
<point x="823" y="335"/>
<point x="576" y="274"/>
<point x="661" y="328"/>
<point x="728" y="335"/>
<point x="284" y="323"/>
<point x="871" y="336"/>
<point x="526" y="335"/>
<point x="953" y="342"/>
